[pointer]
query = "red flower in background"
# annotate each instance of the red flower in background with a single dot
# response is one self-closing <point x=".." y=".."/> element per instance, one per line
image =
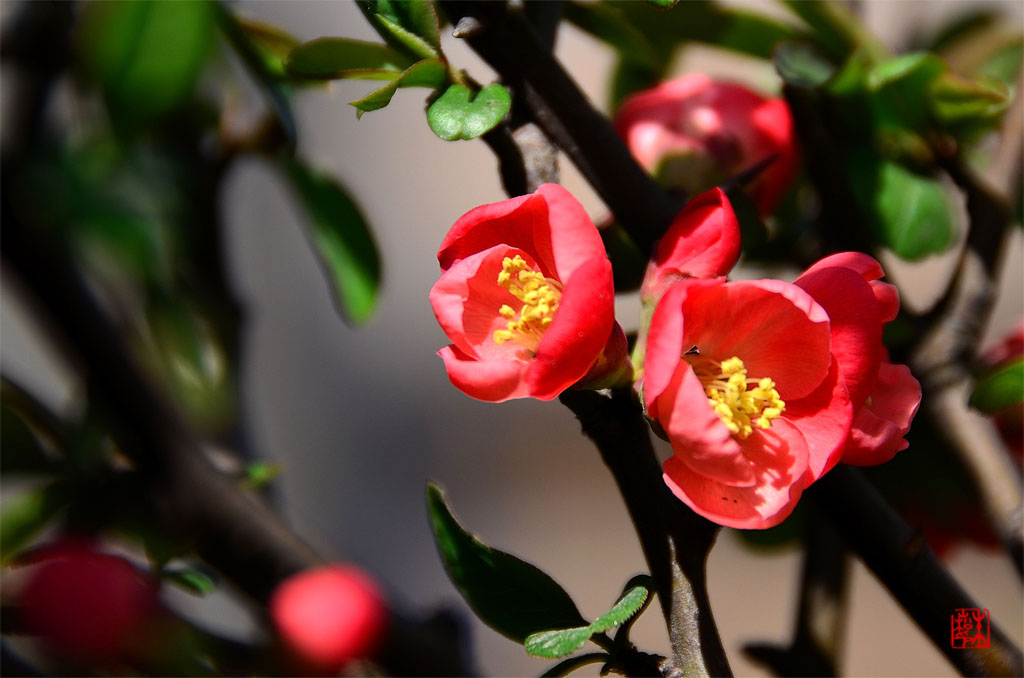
<point x="1009" y="421"/>
<point x="329" y="616"/>
<point x="526" y="296"/>
<point x="696" y="132"/>
<point x="86" y="605"/>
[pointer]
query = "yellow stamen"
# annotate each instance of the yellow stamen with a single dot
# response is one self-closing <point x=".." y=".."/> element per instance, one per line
<point x="739" y="401"/>
<point x="540" y="297"/>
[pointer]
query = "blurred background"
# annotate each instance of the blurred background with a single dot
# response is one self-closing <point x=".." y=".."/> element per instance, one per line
<point x="360" y="418"/>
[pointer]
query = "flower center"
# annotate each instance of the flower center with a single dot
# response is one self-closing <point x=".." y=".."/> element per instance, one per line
<point x="741" y="403"/>
<point x="540" y="297"/>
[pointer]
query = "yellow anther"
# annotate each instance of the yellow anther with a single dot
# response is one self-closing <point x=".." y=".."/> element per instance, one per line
<point x="740" y="402"/>
<point x="540" y="297"/>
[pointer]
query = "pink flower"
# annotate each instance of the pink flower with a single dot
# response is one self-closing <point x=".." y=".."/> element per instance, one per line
<point x="885" y="396"/>
<point x="741" y="377"/>
<point x="526" y="298"/>
<point x="329" y="616"/>
<point x="696" y="132"/>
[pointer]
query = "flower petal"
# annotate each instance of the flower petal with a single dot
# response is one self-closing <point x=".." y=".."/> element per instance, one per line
<point x="491" y="380"/>
<point x="778" y="455"/>
<point x="698" y="436"/>
<point x="879" y="425"/>
<point x="574" y="238"/>
<point x="856" y="324"/>
<point x="703" y="241"/>
<point x="579" y="331"/>
<point x="519" y="222"/>
<point x="823" y="417"/>
<point x="776" y="328"/>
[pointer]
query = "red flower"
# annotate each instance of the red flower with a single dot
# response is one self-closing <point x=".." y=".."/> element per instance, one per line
<point x="741" y="378"/>
<point x="526" y="297"/>
<point x="696" y="132"/>
<point x="1010" y="421"/>
<point x="329" y="616"/>
<point x="885" y="396"/>
<point x="87" y="605"/>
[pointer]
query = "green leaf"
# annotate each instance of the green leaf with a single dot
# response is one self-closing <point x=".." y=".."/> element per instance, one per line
<point x="414" y="44"/>
<point x="27" y="515"/>
<point x="966" y="108"/>
<point x="1005" y="63"/>
<point x="511" y="596"/>
<point x="837" y="31"/>
<point x="425" y="73"/>
<point x="999" y="389"/>
<point x="258" y="475"/>
<point x="145" y="55"/>
<point x="801" y="65"/>
<point x="960" y="27"/>
<point x="341" y="239"/>
<point x="557" y="643"/>
<point x="705" y="22"/>
<point x="901" y="89"/>
<point x="197" y="581"/>
<point x="270" y="43"/>
<point x="663" y="4"/>
<point x="332" y="58"/>
<point x="456" y="114"/>
<point x="632" y="600"/>
<point x="911" y="213"/>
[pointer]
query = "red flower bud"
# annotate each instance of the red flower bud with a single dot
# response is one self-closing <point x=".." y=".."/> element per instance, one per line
<point x="87" y="605"/>
<point x="329" y="616"/>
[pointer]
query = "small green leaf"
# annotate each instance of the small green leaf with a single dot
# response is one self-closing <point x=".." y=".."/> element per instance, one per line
<point x="456" y="114"/>
<point x="197" y="581"/>
<point x="961" y="26"/>
<point x="802" y="66"/>
<point x="145" y="55"/>
<point x="511" y="596"/>
<point x="415" y="44"/>
<point x="557" y="643"/>
<point x="260" y="474"/>
<point x="332" y="58"/>
<point x="901" y="89"/>
<point x="341" y="239"/>
<point x="663" y="4"/>
<point x="409" y="25"/>
<point x="27" y="515"/>
<point x="837" y="31"/>
<point x="1005" y="63"/>
<point x="967" y="108"/>
<point x="629" y="604"/>
<point x="1000" y="389"/>
<point x="425" y="73"/>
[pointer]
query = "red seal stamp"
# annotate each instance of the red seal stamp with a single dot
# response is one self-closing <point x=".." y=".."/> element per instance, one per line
<point x="969" y="628"/>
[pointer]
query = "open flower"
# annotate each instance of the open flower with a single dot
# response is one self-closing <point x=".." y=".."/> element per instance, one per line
<point x="742" y="379"/>
<point x="886" y="396"/>
<point x="527" y="299"/>
<point x="695" y="132"/>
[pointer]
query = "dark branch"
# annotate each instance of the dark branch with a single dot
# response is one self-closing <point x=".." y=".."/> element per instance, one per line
<point x="903" y="562"/>
<point x="506" y="41"/>
<point x="675" y="541"/>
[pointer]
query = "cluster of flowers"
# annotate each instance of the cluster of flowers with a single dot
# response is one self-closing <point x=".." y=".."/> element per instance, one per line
<point x="761" y="386"/>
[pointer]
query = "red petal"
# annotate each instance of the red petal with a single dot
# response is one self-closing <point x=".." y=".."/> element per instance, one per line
<point x="698" y="436"/>
<point x="491" y="380"/>
<point x="864" y="265"/>
<point x="779" y="457"/>
<point x="775" y="328"/>
<point x="665" y="340"/>
<point x="579" y="331"/>
<point x="574" y="238"/>
<point x="856" y="324"/>
<point x="878" y="428"/>
<point x="519" y="222"/>
<point x="824" y="418"/>
<point x="703" y="241"/>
